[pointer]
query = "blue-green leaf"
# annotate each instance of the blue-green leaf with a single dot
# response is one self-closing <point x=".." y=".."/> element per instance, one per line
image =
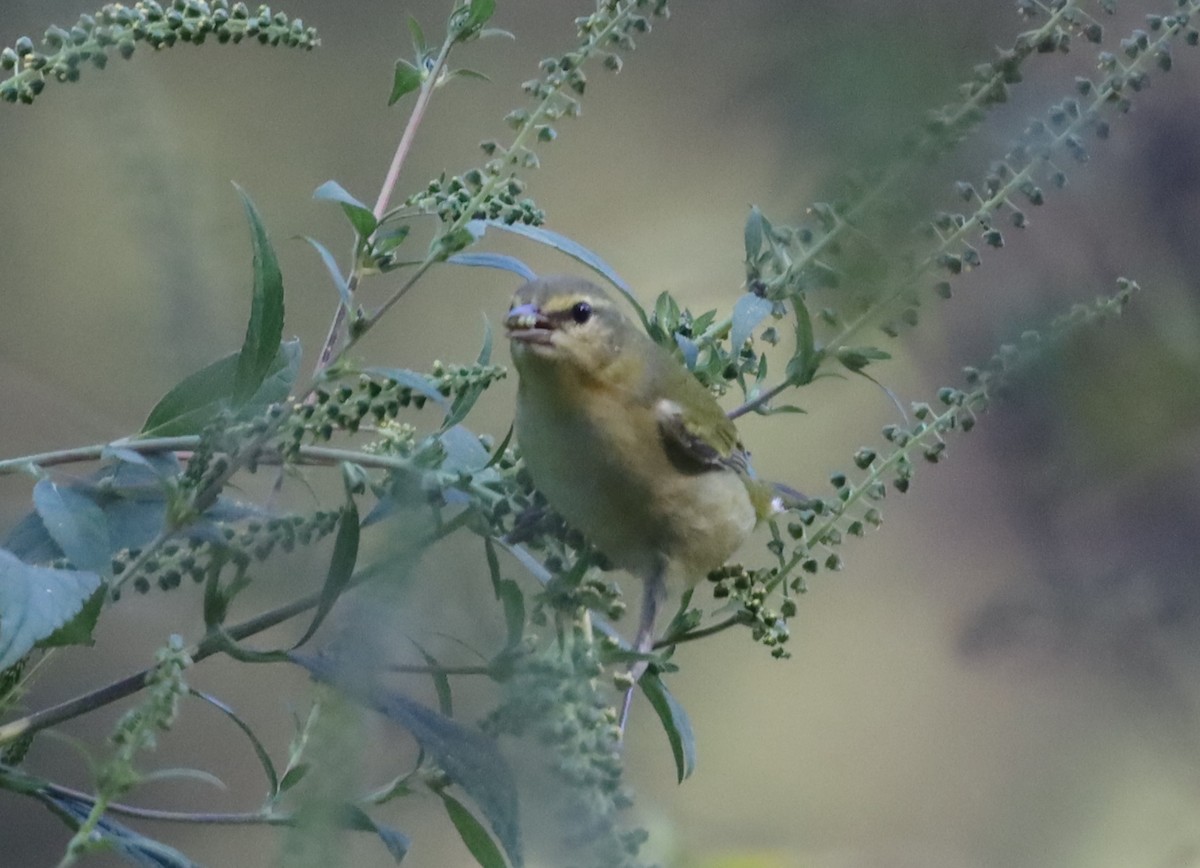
<point x="335" y="273"/>
<point x="264" y="758"/>
<point x="570" y="248"/>
<point x="675" y="723"/>
<point x="265" y="328"/>
<point x="397" y="843"/>
<point x="36" y="601"/>
<point x="467" y="756"/>
<point x="494" y="260"/>
<point x="413" y="380"/>
<point x="509" y="594"/>
<point x="464" y="452"/>
<point x="748" y="312"/>
<point x="405" y="80"/>
<point x="132" y="846"/>
<point x="473" y="834"/>
<point x="361" y="217"/>
<point x="441" y="681"/>
<point x="76" y="524"/>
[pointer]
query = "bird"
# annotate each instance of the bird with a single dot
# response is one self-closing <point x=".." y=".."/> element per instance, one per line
<point x="627" y="445"/>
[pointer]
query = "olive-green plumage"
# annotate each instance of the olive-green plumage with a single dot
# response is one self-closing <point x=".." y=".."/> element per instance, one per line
<point x="624" y="442"/>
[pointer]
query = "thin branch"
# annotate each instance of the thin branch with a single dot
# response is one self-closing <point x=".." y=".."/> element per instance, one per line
<point x="225" y="819"/>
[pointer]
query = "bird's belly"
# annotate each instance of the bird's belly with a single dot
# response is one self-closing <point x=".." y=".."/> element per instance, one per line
<point x="617" y="486"/>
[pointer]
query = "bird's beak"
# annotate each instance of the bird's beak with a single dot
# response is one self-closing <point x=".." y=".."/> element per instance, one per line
<point x="526" y="323"/>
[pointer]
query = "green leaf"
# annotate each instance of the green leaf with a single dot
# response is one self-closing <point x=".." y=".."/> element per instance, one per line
<point x="76" y="524"/>
<point x="35" y="602"/>
<point x="675" y="723"/>
<point x="478" y="14"/>
<point x="494" y="260"/>
<point x="748" y="312"/>
<point x="200" y="397"/>
<point x="491" y="32"/>
<point x="387" y="240"/>
<point x="473" y="834"/>
<point x="264" y="758"/>
<point x="509" y="594"/>
<point x="405" y="80"/>
<point x="802" y="366"/>
<point x="361" y="217"/>
<point x="467" y="73"/>
<point x="335" y="273"/>
<point x="420" y="46"/>
<point x="341" y="568"/>
<point x="78" y="631"/>
<point x="441" y="682"/>
<point x="857" y="358"/>
<point x="264" y="331"/>
<point x="467" y="756"/>
<point x="134" y="847"/>
<point x="753" y="236"/>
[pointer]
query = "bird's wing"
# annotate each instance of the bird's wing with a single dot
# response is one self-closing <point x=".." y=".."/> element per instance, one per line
<point x="699" y="441"/>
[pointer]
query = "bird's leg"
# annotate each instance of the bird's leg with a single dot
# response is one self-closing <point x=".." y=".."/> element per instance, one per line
<point x="654" y="589"/>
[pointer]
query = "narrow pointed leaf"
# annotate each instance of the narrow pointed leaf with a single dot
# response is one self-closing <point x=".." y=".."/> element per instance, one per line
<point x="494" y="260"/>
<point x="264" y="331"/>
<point x="468" y="757"/>
<point x="264" y="758"/>
<point x="413" y="380"/>
<point x="753" y="235"/>
<point x="473" y="833"/>
<point x="335" y="272"/>
<point x="397" y="843"/>
<point x="441" y="682"/>
<point x="570" y="248"/>
<point x="341" y="568"/>
<point x="133" y="847"/>
<point x="675" y="723"/>
<point x="418" y="36"/>
<point x="361" y="217"/>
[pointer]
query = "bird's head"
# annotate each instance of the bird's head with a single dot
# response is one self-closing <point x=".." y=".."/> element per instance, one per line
<point x="566" y="321"/>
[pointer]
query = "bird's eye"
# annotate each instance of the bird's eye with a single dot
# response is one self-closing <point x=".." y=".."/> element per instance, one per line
<point x="581" y="312"/>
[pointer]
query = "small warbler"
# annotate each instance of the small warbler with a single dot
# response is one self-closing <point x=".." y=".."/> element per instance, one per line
<point x="626" y="444"/>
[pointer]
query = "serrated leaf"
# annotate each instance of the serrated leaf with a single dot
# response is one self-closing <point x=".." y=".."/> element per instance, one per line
<point x="467" y="756"/>
<point x="36" y="601"/>
<point x="570" y="248"/>
<point x="361" y="217"/>
<point x="335" y="273"/>
<point x="472" y="833"/>
<point x="76" y="524"/>
<point x="405" y="80"/>
<point x="78" y="631"/>
<point x="341" y="568"/>
<point x="675" y="723"/>
<point x="753" y="236"/>
<point x="748" y="311"/>
<point x="264" y="331"/>
<point x="500" y="261"/>
<point x="134" y="847"/>
<point x="198" y="398"/>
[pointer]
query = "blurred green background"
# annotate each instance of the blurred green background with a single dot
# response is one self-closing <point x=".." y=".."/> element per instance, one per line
<point x="1007" y="675"/>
